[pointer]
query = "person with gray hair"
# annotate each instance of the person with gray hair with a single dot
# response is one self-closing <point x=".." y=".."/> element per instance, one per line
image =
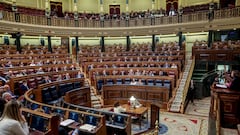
<point x="7" y="96"/>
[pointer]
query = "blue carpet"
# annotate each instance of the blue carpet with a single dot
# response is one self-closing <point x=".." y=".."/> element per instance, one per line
<point x="162" y="129"/>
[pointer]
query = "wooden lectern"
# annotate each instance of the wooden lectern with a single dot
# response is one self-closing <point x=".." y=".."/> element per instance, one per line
<point x="155" y="114"/>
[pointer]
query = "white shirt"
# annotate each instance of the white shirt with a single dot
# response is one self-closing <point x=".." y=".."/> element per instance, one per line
<point x="13" y="127"/>
<point x="119" y="109"/>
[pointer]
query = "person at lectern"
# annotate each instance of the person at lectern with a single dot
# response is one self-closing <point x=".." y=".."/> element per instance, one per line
<point x="233" y="81"/>
<point x="118" y="108"/>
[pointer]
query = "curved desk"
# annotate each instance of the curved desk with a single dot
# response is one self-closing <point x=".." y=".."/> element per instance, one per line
<point x="145" y="94"/>
<point x="225" y="108"/>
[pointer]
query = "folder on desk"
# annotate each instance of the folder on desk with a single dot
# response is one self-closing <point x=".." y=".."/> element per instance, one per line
<point x="221" y="86"/>
<point x="87" y="127"/>
<point x="66" y="122"/>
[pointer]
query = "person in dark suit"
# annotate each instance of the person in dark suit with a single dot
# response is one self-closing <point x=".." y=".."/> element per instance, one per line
<point x="234" y="80"/>
<point x="46" y="80"/>
<point x="191" y="93"/>
<point x="24" y="87"/>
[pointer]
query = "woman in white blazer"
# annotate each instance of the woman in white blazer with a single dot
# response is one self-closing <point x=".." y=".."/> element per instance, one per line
<point x="12" y="121"/>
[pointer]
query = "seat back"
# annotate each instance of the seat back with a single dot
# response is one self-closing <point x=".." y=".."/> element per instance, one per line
<point x="150" y="82"/>
<point x="73" y="116"/>
<point x="54" y="92"/>
<point x="127" y="81"/>
<point x="46" y="96"/>
<point x="38" y="123"/>
<point x="118" y="81"/>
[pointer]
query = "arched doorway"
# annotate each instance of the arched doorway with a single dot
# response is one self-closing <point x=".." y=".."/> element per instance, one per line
<point x="114" y="11"/>
<point x="171" y="5"/>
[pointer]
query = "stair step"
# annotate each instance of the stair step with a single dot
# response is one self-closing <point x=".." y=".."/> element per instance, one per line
<point x="94" y="98"/>
<point x="97" y="106"/>
<point x="96" y="102"/>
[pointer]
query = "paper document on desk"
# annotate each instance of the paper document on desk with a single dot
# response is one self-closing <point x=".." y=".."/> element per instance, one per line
<point x="66" y="122"/>
<point x="138" y="106"/>
<point x="87" y="127"/>
<point x="221" y="86"/>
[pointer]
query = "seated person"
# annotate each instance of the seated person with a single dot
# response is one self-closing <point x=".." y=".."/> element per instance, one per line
<point x="133" y="82"/>
<point x="2" y="104"/>
<point x="173" y="65"/>
<point x="139" y="82"/>
<point x="24" y="87"/>
<point x="7" y="96"/>
<point x="12" y="121"/>
<point x="118" y="108"/>
<point x="234" y="80"/>
<point x="46" y="80"/>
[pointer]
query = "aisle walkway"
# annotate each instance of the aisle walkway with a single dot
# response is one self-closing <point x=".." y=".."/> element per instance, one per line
<point x="193" y="122"/>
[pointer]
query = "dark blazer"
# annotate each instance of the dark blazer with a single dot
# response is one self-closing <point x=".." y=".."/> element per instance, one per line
<point x="23" y="89"/>
<point x="235" y="85"/>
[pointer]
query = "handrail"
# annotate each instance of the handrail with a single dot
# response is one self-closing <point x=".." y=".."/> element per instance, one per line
<point x="187" y="85"/>
<point x="193" y="17"/>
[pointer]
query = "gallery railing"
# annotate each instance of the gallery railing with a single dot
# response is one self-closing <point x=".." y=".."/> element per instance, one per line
<point x="133" y="22"/>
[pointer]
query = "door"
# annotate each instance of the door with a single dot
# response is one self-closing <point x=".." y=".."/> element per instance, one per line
<point x="171" y="5"/>
<point x="227" y="3"/>
<point x="114" y="11"/>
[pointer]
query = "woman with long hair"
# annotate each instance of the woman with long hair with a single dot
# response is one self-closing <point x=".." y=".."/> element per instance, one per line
<point x="12" y="121"/>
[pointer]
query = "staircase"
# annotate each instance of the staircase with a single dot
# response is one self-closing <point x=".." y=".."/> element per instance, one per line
<point x="176" y="103"/>
<point x="95" y="99"/>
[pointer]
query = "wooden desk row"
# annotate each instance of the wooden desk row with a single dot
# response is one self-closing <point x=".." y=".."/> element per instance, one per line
<point x="48" y="127"/>
<point x="80" y="96"/>
<point x="14" y="81"/>
<point x="34" y="69"/>
<point x="134" y="58"/>
<point x="117" y="123"/>
<point x="216" y="54"/>
<point x="80" y="117"/>
<point x="158" y="81"/>
<point x="117" y="64"/>
<point x="225" y="107"/>
<point x="80" y="114"/>
<point x="19" y="61"/>
<point x="11" y="47"/>
<point x="144" y="94"/>
<point x="26" y="56"/>
<point x="43" y="90"/>
<point x="127" y="53"/>
<point x="172" y="72"/>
